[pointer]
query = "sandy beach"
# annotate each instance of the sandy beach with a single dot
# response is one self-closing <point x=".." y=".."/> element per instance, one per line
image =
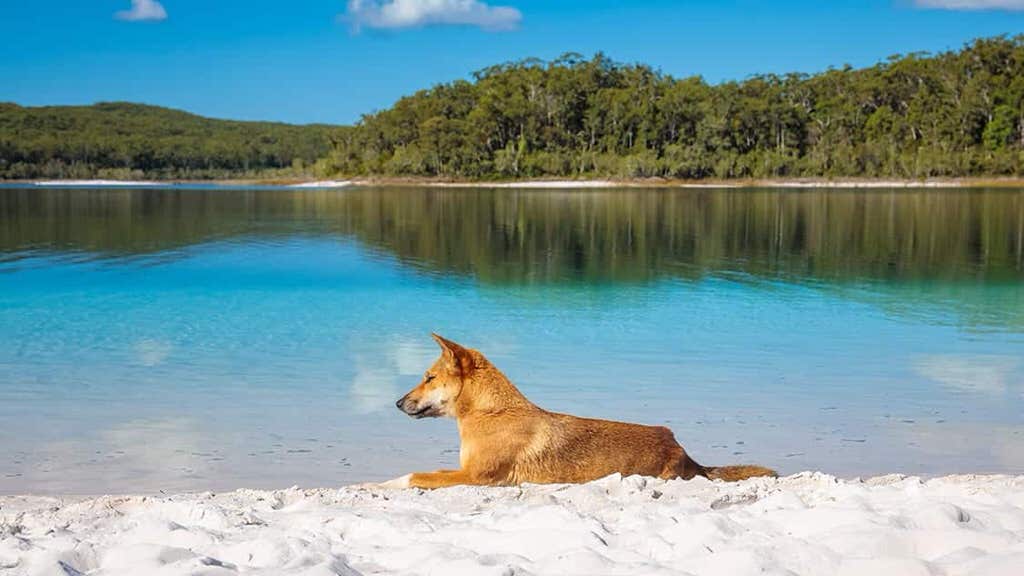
<point x="806" y="524"/>
<point x="797" y="183"/>
<point x="322" y="184"/>
<point x="557" y="184"/>
<point x="99" y="183"/>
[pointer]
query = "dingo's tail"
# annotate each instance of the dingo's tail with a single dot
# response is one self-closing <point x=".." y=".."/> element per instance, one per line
<point x="737" y="473"/>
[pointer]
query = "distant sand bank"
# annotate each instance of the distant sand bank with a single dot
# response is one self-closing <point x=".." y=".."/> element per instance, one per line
<point x="561" y="184"/>
<point x="546" y="184"/>
<point x="807" y="524"/>
<point x="322" y="184"/>
<point x="698" y="184"/>
<point x="101" y="183"/>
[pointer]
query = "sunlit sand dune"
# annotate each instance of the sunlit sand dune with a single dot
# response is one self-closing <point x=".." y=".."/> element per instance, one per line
<point x="805" y="524"/>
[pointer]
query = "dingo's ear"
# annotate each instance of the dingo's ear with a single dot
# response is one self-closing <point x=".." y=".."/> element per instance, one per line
<point x="458" y="357"/>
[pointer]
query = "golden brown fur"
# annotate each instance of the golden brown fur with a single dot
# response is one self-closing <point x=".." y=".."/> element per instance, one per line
<point x="507" y="440"/>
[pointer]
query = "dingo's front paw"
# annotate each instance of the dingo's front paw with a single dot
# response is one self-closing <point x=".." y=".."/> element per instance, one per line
<point x="396" y="484"/>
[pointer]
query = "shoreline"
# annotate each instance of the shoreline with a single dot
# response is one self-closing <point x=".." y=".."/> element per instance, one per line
<point x="799" y="183"/>
<point x="809" y="523"/>
<point x="551" y="184"/>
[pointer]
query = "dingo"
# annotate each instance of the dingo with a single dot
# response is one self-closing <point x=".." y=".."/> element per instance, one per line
<point x="507" y="440"/>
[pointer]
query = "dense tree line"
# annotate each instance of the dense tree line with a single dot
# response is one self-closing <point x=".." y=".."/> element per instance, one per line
<point x="956" y="113"/>
<point x="119" y="140"/>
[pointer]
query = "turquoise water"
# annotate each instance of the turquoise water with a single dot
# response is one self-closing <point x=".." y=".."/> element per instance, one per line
<point x="206" y="339"/>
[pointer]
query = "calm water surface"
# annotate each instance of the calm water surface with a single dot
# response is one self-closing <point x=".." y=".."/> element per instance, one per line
<point x="206" y="339"/>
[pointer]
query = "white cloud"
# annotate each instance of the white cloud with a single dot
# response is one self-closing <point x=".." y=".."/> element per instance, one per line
<point x="382" y="375"/>
<point x="152" y="352"/>
<point x="134" y="456"/>
<point x="967" y="447"/>
<point x="143" y="11"/>
<point x="986" y="374"/>
<point x="395" y="14"/>
<point x="413" y="358"/>
<point x="971" y="4"/>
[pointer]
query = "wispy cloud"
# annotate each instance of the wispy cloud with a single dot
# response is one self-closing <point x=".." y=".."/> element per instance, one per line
<point x="151" y="352"/>
<point x="971" y="4"/>
<point x="986" y="374"/>
<point x="398" y="14"/>
<point x="143" y="11"/>
<point x="136" y="455"/>
<point x="961" y="447"/>
<point x="377" y="383"/>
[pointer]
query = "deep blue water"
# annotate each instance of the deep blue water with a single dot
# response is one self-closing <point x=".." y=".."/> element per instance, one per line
<point x="211" y="339"/>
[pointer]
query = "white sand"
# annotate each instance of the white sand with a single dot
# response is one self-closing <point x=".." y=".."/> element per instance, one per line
<point x="323" y="184"/>
<point x="803" y="524"/>
<point x="132" y="183"/>
<point x="569" y="184"/>
<point x="537" y="184"/>
<point x="863" y="184"/>
<point x="654" y="183"/>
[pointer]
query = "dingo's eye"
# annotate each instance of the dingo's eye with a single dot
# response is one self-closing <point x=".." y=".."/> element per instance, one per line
<point x="429" y="377"/>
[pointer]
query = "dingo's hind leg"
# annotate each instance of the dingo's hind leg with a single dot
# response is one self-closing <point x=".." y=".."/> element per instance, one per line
<point x="442" y="479"/>
<point x="425" y="480"/>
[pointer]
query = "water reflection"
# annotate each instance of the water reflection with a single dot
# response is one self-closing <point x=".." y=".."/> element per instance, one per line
<point x="982" y="374"/>
<point x="506" y="236"/>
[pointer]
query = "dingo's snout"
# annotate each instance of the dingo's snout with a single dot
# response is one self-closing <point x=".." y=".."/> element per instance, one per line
<point x="422" y="408"/>
<point x="437" y="391"/>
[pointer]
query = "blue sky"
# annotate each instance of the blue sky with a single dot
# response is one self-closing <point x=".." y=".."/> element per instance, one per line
<point x="332" y="60"/>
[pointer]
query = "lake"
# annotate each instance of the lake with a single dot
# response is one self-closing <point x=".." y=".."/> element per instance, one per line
<point x="188" y="339"/>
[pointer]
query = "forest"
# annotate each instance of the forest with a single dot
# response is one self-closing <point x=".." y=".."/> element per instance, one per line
<point x="953" y="114"/>
<point x="128" y="141"/>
